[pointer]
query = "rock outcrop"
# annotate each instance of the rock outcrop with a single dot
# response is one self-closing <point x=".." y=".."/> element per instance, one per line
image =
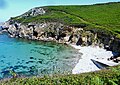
<point x="33" y="12"/>
<point x="53" y="31"/>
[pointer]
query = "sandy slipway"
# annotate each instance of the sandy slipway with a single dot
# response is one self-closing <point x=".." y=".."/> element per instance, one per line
<point x="90" y="53"/>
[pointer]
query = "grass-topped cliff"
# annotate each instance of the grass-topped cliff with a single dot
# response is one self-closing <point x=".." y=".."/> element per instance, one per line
<point x="99" y="18"/>
<point x="102" y="16"/>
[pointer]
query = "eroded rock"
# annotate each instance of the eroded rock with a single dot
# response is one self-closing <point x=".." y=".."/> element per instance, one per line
<point x="53" y="31"/>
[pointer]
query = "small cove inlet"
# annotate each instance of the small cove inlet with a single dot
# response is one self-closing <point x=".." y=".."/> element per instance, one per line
<point x="35" y="58"/>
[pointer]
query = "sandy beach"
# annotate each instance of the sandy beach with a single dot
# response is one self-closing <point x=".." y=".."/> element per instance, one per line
<point x="85" y="64"/>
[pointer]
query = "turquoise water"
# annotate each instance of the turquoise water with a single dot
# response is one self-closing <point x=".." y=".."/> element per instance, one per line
<point x="35" y="58"/>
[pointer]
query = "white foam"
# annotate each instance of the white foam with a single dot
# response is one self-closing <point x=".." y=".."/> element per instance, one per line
<point x="96" y="53"/>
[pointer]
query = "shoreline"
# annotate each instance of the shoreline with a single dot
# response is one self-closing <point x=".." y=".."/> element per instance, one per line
<point x="90" y="53"/>
<point x="85" y="63"/>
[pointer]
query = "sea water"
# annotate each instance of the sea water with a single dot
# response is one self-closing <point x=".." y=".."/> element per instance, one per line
<point x="35" y="58"/>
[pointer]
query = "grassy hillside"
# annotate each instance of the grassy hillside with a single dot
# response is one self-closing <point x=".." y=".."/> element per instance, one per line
<point x="110" y="76"/>
<point x="106" y="15"/>
<point x="103" y="16"/>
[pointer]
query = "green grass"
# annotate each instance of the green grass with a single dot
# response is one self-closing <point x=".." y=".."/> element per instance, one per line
<point x="54" y="16"/>
<point x="102" y="16"/>
<point x="106" y="15"/>
<point x="109" y="76"/>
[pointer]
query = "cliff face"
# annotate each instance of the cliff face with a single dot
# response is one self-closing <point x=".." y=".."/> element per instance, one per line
<point x="53" y="31"/>
<point x="63" y="26"/>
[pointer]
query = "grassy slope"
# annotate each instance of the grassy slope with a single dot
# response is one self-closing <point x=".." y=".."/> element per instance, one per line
<point x="103" y="16"/>
<point x="106" y="15"/>
<point x="110" y="76"/>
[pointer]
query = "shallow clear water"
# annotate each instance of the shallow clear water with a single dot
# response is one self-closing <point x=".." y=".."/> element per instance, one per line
<point x="35" y="58"/>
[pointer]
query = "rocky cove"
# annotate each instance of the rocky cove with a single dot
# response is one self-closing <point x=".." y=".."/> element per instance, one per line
<point x="59" y="32"/>
<point x="66" y="34"/>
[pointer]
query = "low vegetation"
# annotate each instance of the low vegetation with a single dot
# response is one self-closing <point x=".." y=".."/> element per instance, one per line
<point x="110" y="76"/>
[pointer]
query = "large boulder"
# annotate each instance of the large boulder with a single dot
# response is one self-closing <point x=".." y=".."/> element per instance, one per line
<point x="25" y="32"/>
<point x="33" y="12"/>
<point x="12" y="30"/>
<point x="37" y="11"/>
